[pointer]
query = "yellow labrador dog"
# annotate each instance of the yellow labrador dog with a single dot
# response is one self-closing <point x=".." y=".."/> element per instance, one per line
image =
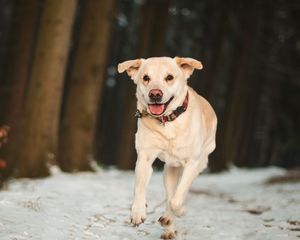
<point x="176" y="125"/>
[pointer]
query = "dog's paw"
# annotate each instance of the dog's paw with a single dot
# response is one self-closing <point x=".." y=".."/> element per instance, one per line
<point x="138" y="216"/>
<point x="165" y="221"/>
<point x="168" y="235"/>
<point x="177" y="208"/>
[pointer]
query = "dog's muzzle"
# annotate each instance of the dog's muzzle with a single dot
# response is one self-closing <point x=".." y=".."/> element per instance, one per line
<point x="162" y="118"/>
<point x="158" y="109"/>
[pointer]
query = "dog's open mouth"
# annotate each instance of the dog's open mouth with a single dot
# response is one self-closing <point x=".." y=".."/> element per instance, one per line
<point x="159" y="108"/>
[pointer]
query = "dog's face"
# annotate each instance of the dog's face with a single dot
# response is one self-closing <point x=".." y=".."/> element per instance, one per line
<point x="159" y="80"/>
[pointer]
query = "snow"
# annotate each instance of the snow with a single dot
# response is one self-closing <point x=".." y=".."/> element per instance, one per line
<point x="233" y="205"/>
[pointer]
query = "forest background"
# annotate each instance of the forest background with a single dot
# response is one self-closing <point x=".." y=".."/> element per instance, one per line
<point x="63" y="103"/>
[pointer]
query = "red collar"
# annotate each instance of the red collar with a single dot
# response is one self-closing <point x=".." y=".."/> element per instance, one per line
<point x="169" y="118"/>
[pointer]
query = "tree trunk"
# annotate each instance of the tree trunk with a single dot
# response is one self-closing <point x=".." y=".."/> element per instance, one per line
<point x="109" y="124"/>
<point x="6" y="17"/>
<point x="151" y="43"/>
<point x="38" y="133"/>
<point x="76" y="148"/>
<point x="217" y="50"/>
<point x="19" y="57"/>
<point x="21" y="42"/>
<point x="219" y="71"/>
<point x="231" y="128"/>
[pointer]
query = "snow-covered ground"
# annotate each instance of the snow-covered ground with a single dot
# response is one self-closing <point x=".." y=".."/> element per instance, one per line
<point x="235" y="205"/>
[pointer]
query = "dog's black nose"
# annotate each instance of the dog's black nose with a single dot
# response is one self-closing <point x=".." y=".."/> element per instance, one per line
<point x="155" y="95"/>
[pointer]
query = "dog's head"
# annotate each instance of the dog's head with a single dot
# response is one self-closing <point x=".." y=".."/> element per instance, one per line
<point x="161" y="81"/>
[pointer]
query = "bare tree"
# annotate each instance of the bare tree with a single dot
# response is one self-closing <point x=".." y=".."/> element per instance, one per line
<point x="231" y="127"/>
<point x="19" y="56"/>
<point x="77" y="137"/>
<point x="37" y="136"/>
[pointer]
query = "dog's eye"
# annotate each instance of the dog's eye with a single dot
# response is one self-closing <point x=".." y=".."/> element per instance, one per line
<point x="169" y="77"/>
<point x="146" y="78"/>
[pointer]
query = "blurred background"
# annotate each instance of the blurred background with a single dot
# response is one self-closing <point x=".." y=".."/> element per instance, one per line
<point x="62" y="101"/>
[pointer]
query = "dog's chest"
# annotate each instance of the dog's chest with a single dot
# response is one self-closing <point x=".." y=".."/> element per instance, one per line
<point x="177" y="150"/>
<point x="175" y="156"/>
<point x="175" y="142"/>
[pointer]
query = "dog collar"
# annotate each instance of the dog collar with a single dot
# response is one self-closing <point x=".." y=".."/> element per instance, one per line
<point x="166" y="118"/>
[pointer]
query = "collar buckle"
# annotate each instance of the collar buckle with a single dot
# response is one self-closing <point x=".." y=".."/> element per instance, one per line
<point x="138" y="114"/>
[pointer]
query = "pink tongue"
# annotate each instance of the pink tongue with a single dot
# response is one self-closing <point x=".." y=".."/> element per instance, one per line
<point x="157" y="109"/>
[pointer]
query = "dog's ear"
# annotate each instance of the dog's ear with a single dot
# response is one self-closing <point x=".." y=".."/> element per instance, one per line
<point x="131" y="67"/>
<point x="187" y="65"/>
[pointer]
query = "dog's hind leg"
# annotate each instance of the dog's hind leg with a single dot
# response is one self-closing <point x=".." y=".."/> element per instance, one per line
<point x="190" y="172"/>
<point x="171" y="175"/>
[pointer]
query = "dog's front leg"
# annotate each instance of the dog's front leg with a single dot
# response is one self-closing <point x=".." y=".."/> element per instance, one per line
<point x="143" y="171"/>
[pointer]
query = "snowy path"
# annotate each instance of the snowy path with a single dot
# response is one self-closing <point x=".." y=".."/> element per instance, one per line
<point x="236" y="205"/>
